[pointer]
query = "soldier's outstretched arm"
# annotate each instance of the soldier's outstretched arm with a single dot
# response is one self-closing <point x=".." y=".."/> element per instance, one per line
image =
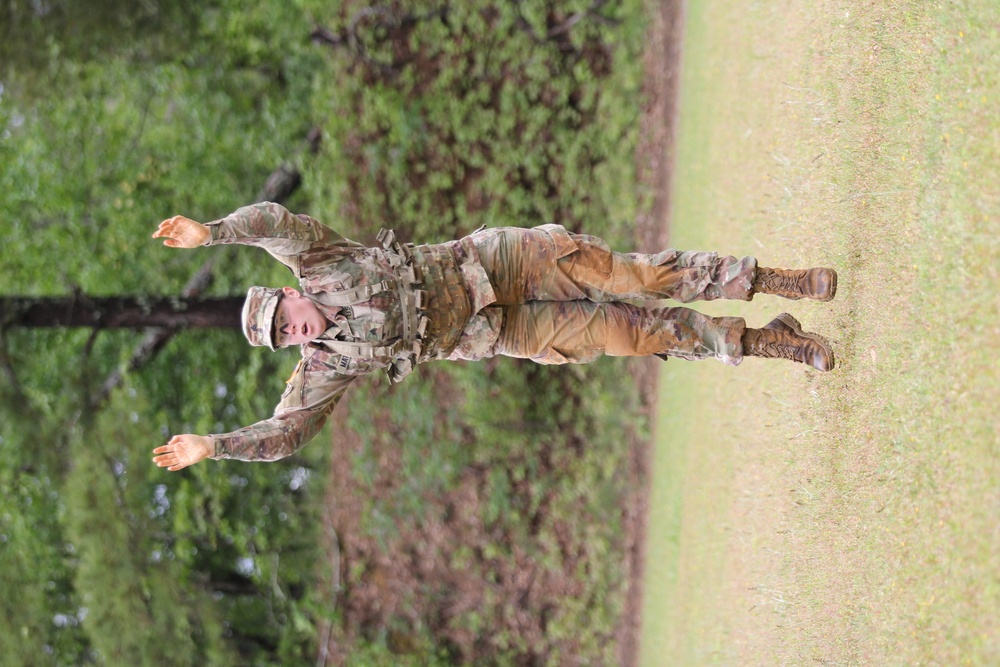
<point x="267" y="440"/>
<point x="312" y="393"/>
<point x="276" y="229"/>
<point x="181" y="232"/>
<point x="266" y="225"/>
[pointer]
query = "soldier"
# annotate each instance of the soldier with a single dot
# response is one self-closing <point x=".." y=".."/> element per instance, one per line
<point x="543" y="294"/>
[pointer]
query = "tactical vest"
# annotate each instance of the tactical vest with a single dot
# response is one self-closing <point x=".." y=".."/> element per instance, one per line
<point x="433" y="299"/>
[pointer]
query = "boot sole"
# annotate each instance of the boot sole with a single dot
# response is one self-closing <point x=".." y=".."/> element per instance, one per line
<point x="833" y="287"/>
<point x="796" y="326"/>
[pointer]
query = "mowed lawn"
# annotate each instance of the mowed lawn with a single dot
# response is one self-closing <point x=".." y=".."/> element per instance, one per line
<point x="852" y="517"/>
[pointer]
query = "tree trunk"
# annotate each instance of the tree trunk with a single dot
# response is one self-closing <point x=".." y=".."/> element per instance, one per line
<point x="121" y="312"/>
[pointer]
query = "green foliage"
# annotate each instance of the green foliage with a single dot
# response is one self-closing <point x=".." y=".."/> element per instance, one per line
<point x="556" y="477"/>
<point x="125" y="576"/>
<point x="434" y="123"/>
<point x="548" y="450"/>
<point x="252" y="531"/>
<point x="99" y="142"/>
<point x="31" y="33"/>
<point x="379" y="654"/>
<point x="474" y="118"/>
<point x="40" y="613"/>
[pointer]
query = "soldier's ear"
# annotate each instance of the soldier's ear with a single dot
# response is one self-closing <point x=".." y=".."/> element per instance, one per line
<point x="291" y="292"/>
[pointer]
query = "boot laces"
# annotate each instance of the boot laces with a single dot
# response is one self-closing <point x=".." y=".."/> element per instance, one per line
<point x="777" y="351"/>
<point x="782" y="281"/>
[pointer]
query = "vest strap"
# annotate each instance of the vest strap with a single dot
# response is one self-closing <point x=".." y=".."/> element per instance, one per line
<point x="360" y="294"/>
<point x="365" y="350"/>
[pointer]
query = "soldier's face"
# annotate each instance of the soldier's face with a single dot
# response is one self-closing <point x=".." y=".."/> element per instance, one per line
<point x="297" y="320"/>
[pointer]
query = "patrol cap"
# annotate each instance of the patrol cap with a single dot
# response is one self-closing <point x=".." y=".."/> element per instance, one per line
<point x="258" y="315"/>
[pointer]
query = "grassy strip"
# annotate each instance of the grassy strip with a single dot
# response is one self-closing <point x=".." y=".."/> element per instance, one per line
<point x="852" y="517"/>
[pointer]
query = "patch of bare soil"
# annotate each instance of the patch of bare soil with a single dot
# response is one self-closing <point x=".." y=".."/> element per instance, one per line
<point x="386" y="578"/>
<point x="380" y="581"/>
<point x="654" y="162"/>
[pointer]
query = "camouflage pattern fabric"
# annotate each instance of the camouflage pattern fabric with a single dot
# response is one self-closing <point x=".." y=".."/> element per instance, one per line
<point x="578" y="332"/>
<point x="551" y="286"/>
<point x="548" y="263"/>
<point x="258" y="315"/>
<point x="543" y="293"/>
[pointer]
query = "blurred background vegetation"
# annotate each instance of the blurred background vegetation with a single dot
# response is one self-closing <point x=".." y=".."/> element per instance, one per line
<point x="431" y="118"/>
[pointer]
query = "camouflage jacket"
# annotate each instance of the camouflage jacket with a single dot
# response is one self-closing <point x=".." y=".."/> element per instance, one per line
<point x="324" y="263"/>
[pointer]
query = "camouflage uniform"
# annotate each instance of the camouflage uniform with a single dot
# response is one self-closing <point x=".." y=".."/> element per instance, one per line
<point x="544" y="294"/>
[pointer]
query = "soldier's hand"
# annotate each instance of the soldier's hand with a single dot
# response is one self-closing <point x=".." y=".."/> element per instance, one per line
<point x="181" y="232"/>
<point x="182" y="451"/>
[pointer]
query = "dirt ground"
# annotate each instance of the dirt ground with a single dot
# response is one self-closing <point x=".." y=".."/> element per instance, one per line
<point x="654" y="162"/>
<point x="382" y="593"/>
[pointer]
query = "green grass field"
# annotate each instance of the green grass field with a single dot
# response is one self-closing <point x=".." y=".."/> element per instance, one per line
<point x="848" y="518"/>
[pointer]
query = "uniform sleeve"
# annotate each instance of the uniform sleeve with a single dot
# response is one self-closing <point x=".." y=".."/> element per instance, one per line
<point x="276" y="229"/>
<point x="313" y="391"/>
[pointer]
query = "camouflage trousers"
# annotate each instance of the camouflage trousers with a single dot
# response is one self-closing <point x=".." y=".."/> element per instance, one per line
<point x="561" y="296"/>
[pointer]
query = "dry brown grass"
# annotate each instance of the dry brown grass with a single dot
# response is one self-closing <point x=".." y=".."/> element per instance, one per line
<point x="847" y="518"/>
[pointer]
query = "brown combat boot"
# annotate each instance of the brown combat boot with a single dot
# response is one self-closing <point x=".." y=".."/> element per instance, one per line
<point x="783" y="338"/>
<point x="817" y="283"/>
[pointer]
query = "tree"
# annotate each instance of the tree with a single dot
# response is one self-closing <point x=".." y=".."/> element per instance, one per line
<point x="120" y="312"/>
<point x="112" y="117"/>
